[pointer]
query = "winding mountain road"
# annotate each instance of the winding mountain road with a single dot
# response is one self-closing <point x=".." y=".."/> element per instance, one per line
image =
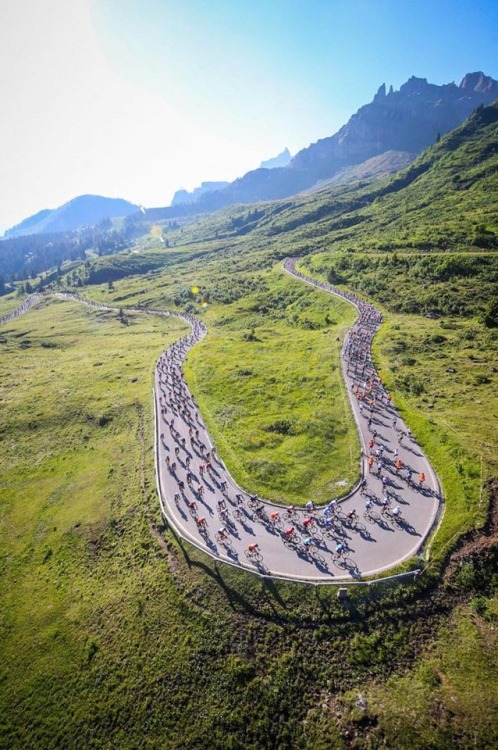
<point x="205" y="506"/>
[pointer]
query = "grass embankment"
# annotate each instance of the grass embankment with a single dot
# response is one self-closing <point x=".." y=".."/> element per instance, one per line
<point x="441" y="371"/>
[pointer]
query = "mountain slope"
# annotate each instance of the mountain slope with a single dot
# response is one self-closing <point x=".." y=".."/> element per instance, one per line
<point x="447" y="197"/>
<point x="85" y="210"/>
<point x="407" y="120"/>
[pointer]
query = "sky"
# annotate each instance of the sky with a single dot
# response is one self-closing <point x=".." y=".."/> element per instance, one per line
<point x="138" y="98"/>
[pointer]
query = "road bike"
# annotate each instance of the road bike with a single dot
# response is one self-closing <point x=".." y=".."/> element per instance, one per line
<point x="395" y="518"/>
<point x="291" y="540"/>
<point x="238" y="513"/>
<point x="253" y="555"/>
<point x="253" y="502"/>
<point x="290" y="514"/>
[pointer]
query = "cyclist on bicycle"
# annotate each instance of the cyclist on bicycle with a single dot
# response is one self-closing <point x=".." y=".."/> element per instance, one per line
<point x="352" y="515"/>
<point x="307" y="522"/>
<point x="396" y="511"/>
<point x="253" y="547"/>
<point x="340" y="548"/>
<point x="289" y="533"/>
<point x="310" y="505"/>
<point x="331" y="508"/>
<point x="308" y="542"/>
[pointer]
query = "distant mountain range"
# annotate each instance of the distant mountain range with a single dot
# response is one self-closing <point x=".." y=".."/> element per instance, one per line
<point x="404" y="121"/>
<point x="86" y="210"/>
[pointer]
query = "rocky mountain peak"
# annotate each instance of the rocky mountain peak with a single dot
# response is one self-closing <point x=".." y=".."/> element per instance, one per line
<point x="478" y="82"/>
<point x="414" y="85"/>
<point x="381" y="93"/>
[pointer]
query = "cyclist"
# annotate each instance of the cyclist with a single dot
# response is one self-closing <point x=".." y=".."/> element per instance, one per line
<point x="310" y="505"/>
<point x="332" y="506"/>
<point x="289" y="532"/>
<point x="386" y="502"/>
<point x="308" y="542"/>
<point x="340" y="548"/>
<point x="368" y="506"/>
<point x="222" y="532"/>
<point x="396" y="512"/>
<point x="421" y="478"/>
<point x="201" y="522"/>
<point x="239" y="500"/>
<point x="307" y="522"/>
<point x="253" y="547"/>
<point x="352" y="515"/>
<point x="274" y="516"/>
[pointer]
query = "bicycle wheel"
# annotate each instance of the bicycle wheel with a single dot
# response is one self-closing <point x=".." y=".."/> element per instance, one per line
<point x="317" y="557"/>
<point x="341" y="561"/>
<point x="288" y="516"/>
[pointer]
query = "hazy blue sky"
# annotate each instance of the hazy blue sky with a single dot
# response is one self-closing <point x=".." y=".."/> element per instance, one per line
<point x="137" y="98"/>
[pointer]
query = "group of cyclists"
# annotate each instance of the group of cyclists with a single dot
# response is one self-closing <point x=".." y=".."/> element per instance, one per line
<point x="192" y="462"/>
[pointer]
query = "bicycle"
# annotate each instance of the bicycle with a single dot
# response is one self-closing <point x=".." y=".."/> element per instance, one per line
<point x="238" y="513"/>
<point x="290" y="514"/>
<point x="395" y="518"/>
<point x="222" y="538"/>
<point x="310" y="550"/>
<point x="291" y="540"/>
<point x="276" y="520"/>
<point x="253" y="555"/>
<point x="350" y="522"/>
<point x="253" y="502"/>
<point x="260" y="512"/>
